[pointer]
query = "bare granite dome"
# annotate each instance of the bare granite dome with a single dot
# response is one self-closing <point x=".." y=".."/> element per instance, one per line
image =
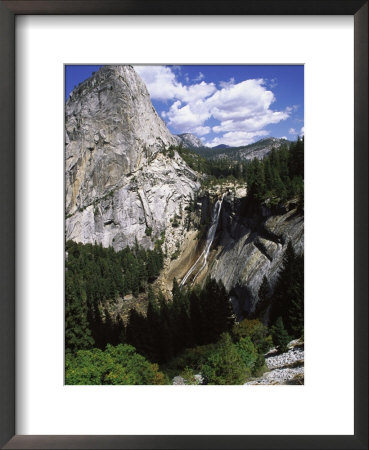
<point x="119" y="181"/>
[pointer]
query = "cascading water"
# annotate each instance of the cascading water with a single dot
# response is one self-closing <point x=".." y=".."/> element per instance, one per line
<point x="202" y="259"/>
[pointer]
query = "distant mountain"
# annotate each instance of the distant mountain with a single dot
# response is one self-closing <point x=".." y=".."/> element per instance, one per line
<point x="221" y="146"/>
<point x="256" y="150"/>
<point x="189" y="140"/>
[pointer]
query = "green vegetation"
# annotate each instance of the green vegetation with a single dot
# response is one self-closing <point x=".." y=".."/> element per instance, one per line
<point x="194" y="317"/>
<point x="273" y="180"/>
<point x="175" y="223"/>
<point x="195" y="333"/>
<point x="280" y="336"/>
<point x="177" y="252"/>
<point x="287" y="300"/>
<point x="214" y="169"/>
<point x="235" y="357"/>
<point x="226" y="365"/>
<point x="278" y="177"/>
<point x="95" y="276"/>
<point x="116" y="365"/>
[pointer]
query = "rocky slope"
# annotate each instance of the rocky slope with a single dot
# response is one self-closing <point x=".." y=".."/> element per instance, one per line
<point x="121" y="184"/>
<point x="189" y="140"/>
<point x="285" y="368"/>
<point x="249" y="244"/>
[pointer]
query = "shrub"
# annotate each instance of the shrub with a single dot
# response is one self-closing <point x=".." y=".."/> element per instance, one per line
<point x="247" y="352"/>
<point x="225" y="365"/>
<point x="189" y="376"/>
<point x="118" y="365"/>
<point x="256" y="331"/>
<point x="192" y="358"/>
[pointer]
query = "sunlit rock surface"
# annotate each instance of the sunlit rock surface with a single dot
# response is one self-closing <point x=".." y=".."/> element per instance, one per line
<point x="120" y="182"/>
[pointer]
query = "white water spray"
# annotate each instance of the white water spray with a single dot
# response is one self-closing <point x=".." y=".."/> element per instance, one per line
<point x="209" y="240"/>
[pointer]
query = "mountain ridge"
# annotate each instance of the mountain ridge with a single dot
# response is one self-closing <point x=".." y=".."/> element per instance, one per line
<point x="258" y="149"/>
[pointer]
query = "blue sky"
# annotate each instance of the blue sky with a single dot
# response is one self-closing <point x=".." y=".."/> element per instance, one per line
<point x="233" y="105"/>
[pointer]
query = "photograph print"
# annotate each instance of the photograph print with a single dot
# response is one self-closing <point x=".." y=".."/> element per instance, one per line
<point x="184" y="225"/>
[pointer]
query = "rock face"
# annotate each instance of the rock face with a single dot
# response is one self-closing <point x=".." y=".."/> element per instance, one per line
<point x="120" y="182"/>
<point x="189" y="140"/>
<point x="251" y="246"/>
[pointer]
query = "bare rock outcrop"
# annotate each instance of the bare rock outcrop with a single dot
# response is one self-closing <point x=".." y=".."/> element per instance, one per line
<point x="189" y="140"/>
<point x="248" y="249"/>
<point x="121" y="184"/>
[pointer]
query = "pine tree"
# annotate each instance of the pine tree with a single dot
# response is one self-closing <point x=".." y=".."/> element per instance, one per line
<point x="264" y="295"/>
<point x="77" y="327"/>
<point x="288" y="297"/>
<point x="153" y="320"/>
<point x="196" y="317"/>
<point x="280" y="336"/>
<point x="137" y="332"/>
<point x="217" y="310"/>
<point x="166" y="332"/>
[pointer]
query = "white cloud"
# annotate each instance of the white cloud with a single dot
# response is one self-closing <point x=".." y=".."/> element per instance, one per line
<point x="162" y="84"/>
<point x="283" y="137"/>
<point x="199" y="77"/>
<point x="201" y="131"/>
<point x="256" y="122"/>
<point x="292" y="131"/>
<point x="242" y="107"/>
<point x="186" y="118"/>
<point x="196" y="92"/>
<point x="302" y="131"/>
<point x="272" y="83"/>
<point x="240" y="101"/>
<point x="237" y="138"/>
<point x="227" y="84"/>
<point x="160" y="81"/>
<point x="243" y="110"/>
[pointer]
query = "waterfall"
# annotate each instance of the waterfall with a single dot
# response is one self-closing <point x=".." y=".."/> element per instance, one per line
<point x="209" y="240"/>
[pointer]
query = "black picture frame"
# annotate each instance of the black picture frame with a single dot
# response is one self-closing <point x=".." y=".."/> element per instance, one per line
<point x="8" y="12"/>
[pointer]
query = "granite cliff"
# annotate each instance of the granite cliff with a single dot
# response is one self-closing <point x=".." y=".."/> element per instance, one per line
<point x="249" y="244"/>
<point x="121" y="183"/>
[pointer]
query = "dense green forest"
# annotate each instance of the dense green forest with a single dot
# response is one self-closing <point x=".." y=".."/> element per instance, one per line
<point x="193" y="317"/>
<point x="279" y="176"/>
<point x="195" y="332"/>
<point x="214" y="169"/>
<point x="95" y="275"/>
